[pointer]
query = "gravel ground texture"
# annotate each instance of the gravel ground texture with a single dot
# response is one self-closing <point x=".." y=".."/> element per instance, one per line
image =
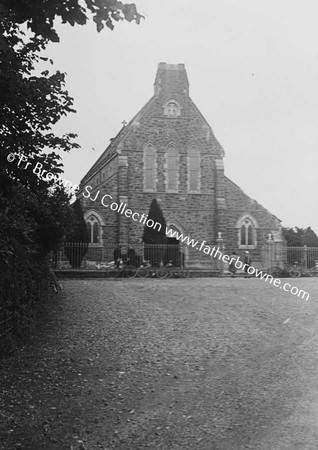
<point x="200" y="364"/>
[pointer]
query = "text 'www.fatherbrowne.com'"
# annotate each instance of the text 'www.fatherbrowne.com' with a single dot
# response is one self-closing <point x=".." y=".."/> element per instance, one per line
<point x="215" y="252"/>
<point x="251" y="270"/>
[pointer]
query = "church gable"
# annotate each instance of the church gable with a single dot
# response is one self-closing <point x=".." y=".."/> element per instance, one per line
<point x="169" y="119"/>
<point x="172" y="115"/>
<point x="169" y="152"/>
<point x="170" y="144"/>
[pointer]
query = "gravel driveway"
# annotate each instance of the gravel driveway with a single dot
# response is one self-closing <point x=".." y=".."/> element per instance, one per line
<point x="200" y="364"/>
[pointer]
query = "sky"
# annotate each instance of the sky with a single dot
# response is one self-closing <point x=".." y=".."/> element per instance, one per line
<point x="253" y="73"/>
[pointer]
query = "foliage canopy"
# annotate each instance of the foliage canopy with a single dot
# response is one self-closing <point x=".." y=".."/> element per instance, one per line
<point x="35" y="212"/>
<point x="298" y="237"/>
<point x="40" y="14"/>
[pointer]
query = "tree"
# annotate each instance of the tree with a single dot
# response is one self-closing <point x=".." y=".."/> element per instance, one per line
<point x="298" y="237"/>
<point x="76" y="235"/>
<point x="155" y="237"/>
<point x="40" y="15"/>
<point x="76" y="230"/>
<point x="34" y="207"/>
<point x="292" y="236"/>
<point x="29" y="108"/>
<point x="310" y="238"/>
<point x="31" y="104"/>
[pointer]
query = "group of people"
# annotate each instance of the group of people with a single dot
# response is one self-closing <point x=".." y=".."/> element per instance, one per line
<point x="130" y="258"/>
<point x="133" y="259"/>
<point x="247" y="263"/>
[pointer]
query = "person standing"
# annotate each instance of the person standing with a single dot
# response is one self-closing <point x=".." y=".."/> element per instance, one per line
<point x="247" y="263"/>
<point x="131" y="256"/>
<point x="117" y="255"/>
<point x="232" y="267"/>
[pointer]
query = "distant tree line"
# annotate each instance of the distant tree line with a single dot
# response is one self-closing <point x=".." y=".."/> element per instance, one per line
<point x="298" y="237"/>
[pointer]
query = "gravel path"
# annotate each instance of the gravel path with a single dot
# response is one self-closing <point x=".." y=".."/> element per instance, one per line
<point x="200" y="364"/>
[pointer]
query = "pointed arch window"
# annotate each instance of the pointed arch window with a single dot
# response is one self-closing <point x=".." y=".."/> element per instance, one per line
<point x="150" y="168"/>
<point x="93" y="229"/>
<point x="247" y="232"/>
<point x="194" y="170"/>
<point x="172" y="157"/>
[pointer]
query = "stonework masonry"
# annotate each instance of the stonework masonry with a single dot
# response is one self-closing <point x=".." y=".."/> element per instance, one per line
<point x="170" y="119"/>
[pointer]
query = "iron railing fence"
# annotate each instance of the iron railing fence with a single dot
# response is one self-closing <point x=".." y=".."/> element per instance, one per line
<point x="79" y="255"/>
<point x="302" y="256"/>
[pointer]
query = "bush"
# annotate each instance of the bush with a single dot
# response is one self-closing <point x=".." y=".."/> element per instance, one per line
<point x="23" y="267"/>
<point x="24" y="287"/>
<point x="154" y="238"/>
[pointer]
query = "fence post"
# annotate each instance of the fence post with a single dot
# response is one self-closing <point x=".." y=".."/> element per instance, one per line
<point x="305" y="256"/>
<point x="59" y="257"/>
<point x="270" y="257"/>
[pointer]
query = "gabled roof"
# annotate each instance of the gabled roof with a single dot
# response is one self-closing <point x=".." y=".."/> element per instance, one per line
<point x="227" y="180"/>
<point x="210" y="128"/>
<point x="113" y="143"/>
<point x="170" y="78"/>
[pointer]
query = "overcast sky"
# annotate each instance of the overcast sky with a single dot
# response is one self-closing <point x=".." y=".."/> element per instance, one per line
<point x="253" y="73"/>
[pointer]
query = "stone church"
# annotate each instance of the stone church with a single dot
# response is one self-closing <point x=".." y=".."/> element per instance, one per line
<point x="168" y="151"/>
